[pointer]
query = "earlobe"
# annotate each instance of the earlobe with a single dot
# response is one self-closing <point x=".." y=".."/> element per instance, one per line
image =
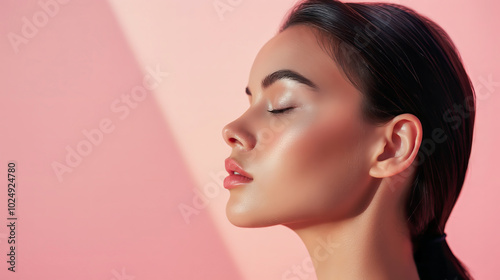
<point x="398" y="146"/>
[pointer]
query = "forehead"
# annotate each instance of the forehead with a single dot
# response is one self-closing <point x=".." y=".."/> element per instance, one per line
<point x="297" y="48"/>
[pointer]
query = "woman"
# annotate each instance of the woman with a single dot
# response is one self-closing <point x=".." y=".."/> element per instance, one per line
<point x="357" y="138"/>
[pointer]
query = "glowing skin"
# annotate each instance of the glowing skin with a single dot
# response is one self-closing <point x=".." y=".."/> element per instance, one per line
<point x="318" y="168"/>
<point x="314" y="149"/>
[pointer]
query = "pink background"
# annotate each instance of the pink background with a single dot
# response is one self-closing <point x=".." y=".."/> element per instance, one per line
<point x="115" y="212"/>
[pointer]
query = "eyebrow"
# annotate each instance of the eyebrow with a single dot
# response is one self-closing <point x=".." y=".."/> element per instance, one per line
<point x="284" y="74"/>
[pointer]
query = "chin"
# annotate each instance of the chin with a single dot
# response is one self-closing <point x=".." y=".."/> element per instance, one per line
<point x="247" y="220"/>
<point x="244" y="221"/>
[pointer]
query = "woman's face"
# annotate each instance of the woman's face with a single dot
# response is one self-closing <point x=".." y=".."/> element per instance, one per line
<point x="310" y="163"/>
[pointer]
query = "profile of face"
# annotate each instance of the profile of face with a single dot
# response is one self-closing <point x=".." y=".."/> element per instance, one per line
<point x="310" y="156"/>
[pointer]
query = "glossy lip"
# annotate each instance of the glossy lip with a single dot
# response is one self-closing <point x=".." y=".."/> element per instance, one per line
<point x="232" y="166"/>
<point x="234" y="180"/>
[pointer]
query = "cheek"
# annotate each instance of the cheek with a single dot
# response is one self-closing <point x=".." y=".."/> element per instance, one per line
<point x="323" y="166"/>
<point x="311" y="167"/>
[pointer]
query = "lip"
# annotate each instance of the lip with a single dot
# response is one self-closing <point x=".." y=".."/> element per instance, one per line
<point x="234" y="180"/>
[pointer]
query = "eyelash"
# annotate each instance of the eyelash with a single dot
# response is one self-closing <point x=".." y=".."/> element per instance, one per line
<point x="280" y="111"/>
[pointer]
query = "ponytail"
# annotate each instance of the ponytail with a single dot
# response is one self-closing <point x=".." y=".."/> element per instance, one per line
<point x="435" y="260"/>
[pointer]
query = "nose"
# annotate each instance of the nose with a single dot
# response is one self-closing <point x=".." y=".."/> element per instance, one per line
<point x="236" y="135"/>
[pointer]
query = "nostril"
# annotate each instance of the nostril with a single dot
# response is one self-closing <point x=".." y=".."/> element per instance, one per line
<point x="232" y="141"/>
<point x="229" y="138"/>
<point x="236" y="134"/>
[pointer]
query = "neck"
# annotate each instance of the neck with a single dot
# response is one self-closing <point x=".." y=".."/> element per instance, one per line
<point x="372" y="245"/>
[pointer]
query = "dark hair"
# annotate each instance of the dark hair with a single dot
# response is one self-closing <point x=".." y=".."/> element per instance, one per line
<point x="403" y="62"/>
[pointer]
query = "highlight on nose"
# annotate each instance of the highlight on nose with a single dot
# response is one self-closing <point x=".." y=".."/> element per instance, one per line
<point x="237" y="136"/>
<point x="225" y="134"/>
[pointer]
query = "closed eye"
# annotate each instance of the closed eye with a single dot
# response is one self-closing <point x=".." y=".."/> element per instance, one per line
<point x="279" y="111"/>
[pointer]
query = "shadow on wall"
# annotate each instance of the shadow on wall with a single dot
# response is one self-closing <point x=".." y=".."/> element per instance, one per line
<point x="99" y="178"/>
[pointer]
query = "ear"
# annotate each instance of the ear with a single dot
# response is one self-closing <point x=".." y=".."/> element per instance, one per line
<point x="398" y="146"/>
